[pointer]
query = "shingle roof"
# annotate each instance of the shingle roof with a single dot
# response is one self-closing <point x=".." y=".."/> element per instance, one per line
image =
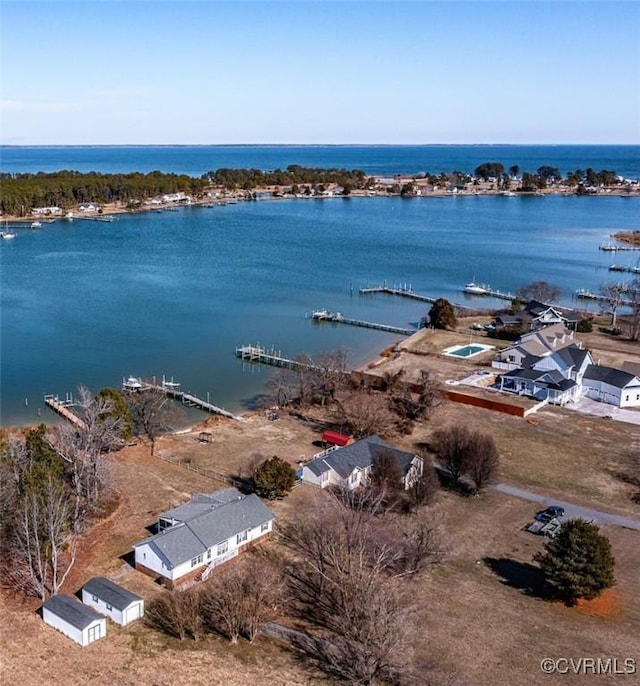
<point x="609" y="375"/>
<point x="183" y="542"/>
<point x="360" y="454"/>
<point x="110" y="592"/>
<point x="201" y="503"/>
<point x="72" y="611"/>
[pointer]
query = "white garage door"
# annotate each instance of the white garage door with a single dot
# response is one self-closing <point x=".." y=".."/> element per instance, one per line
<point x="132" y="613"/>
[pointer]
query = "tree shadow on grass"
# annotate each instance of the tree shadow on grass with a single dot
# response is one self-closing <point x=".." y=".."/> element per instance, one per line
<point x="521" y="575"/>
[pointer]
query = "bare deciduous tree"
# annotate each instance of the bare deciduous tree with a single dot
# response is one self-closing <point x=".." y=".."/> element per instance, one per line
<point x="349" y="577"/>
<point x="423" y="490"/>
<point x="612" y="295"/>
<point x="239" y="599"/>
<point x="177" y="613"/>
<point x="542" y="291"/>
<point x="44" y="544"/>
<point x="366" y="413"/>
<point x="153" y="413"/>
<point x="462" y="452"/>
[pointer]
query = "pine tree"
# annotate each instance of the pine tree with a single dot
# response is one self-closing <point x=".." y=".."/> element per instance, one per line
<point x="274" y="478"/>
<point x="578" y="562"/>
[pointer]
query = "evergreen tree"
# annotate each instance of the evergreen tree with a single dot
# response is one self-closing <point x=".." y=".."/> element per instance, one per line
<point x="578" y="562"/>
<point x="274" y="478"/>
<point x="442" y="315"/>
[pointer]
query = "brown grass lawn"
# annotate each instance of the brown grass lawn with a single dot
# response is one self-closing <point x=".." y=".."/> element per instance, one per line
<point x="475" y="620"/>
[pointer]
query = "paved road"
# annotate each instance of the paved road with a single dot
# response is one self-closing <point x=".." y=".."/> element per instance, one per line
<point x="571" y="511"/>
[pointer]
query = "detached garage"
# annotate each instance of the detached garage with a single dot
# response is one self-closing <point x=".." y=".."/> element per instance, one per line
<point x="75" y="620"/>
<point x="112" y="600"/>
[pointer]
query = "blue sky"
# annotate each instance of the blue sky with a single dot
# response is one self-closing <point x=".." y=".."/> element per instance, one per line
<point x="200" y="72"/>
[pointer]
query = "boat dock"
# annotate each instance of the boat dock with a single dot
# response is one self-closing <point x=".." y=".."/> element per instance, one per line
<point x="101" y="218"/>
<point x="62" y="408"/>
<point x="256" y="353"/>
<point x="488" y="292"/>
<point x="172" y="390"/>
<point x="586" y="294"/>
<point x="622" y="268"/>
<point x="337" y="318"/>
<point x="610" y="247"/>
<point x="402" y="292"/>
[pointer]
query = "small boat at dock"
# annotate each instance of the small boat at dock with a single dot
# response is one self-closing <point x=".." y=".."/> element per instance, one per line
<point x="6" y="235"/>
<point x="476" y="288"/>
<point x="36" y="225"/>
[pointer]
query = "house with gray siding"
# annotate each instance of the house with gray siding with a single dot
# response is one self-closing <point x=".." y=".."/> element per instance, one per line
<point x="205" y="532"/>
<point x="350" y="466"/>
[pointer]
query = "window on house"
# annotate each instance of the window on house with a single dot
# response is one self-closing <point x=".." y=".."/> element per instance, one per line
<point x="196" y="560"/>
<point x="109" y="607"/>
<point x="512" y="358"/>
<point x="94" y="598"/>
<point x="222" y="548"/>
<point x="240" y="538"/>
<point x="264" y="526"/>
<point x="209" y="554"/>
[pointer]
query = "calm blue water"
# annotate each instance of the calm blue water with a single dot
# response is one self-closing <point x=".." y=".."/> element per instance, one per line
<point x="175" y="293"/>
<point x="375" y="160"/>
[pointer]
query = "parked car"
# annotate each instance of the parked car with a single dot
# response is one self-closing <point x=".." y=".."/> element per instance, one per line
<point x="551" y="512"/>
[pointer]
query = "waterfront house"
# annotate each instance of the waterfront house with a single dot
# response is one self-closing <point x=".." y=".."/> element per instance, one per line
<point x="89" y="207"/>
<point x="205" y="532"/>
<point x="535" y="344"/>
<point x="612" y="386"/>
<point x="536" y="315"/>
<point x="119" y="604"/>
<point x="75" y="620"/>
<point x="350" y="466"/>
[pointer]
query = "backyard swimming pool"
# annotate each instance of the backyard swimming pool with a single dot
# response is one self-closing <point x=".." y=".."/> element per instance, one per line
<point x="467" y="351"/>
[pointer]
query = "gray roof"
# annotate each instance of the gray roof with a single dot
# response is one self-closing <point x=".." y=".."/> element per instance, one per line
<point x="611" y="376"/>
<point x="360" y="454"/>
<point x="201" y="503"/>
<point x="72" y="611"/>
<point x="187" y="540"/>
<point x="110" y="592"/>
<point x="550" y="379"/>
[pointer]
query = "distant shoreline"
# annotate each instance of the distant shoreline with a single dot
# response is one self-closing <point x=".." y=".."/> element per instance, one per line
<point x="274" y="194"/>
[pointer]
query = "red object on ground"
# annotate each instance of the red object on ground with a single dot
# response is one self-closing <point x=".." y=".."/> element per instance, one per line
<point x="335" y="438"/>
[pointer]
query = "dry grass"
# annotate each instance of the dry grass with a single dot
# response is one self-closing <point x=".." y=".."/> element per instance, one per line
<point x="476" y="618"/>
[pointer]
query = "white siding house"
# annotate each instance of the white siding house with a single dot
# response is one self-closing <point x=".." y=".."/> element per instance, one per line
<point x="612" y="386"/>
<point x="202" y="534"/>
<point x="112" y="600"/>
<point x="350" y="466"/>
<point x="75" y="620"/>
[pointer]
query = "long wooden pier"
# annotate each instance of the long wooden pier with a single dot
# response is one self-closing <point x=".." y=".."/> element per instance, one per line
<point x="172" y="390"/>
<point x="491" y="293"/>
<point x="402" y="292"/>
<point x="62" y="409"/>
<point x="406" y="292"/>
<point x="586" y="294"/>
<point x="256" y="353"/>
<point x="337" y="318"/>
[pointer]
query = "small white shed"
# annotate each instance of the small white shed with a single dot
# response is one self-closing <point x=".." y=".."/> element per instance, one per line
<point x="112" y="600"/>
<point x="75" y="620"/>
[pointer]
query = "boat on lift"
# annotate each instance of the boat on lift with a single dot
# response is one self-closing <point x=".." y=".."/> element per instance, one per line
<point x="474" y="288"/>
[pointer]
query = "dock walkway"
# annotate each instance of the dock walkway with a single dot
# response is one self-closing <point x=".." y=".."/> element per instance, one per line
<point x="407" y="292"/>
<point x="172" y="390"/>
<point x="62" y="409"/>
<point x="256" y="353"/>
<point x="337" y="318"/>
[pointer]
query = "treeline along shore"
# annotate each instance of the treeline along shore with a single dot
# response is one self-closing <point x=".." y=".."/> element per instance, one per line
<point x="22" y="193"/>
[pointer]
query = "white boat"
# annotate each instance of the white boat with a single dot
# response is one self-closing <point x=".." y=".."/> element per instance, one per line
<point x="6" y="235"/>
<point x="475" y="288"/>
<point x="36" y="225"/>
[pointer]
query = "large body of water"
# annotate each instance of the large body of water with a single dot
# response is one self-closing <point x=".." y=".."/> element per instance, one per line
<point x="175" y="293"/>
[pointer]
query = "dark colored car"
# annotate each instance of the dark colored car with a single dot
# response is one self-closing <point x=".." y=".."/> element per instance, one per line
<point x="552" y="512"/>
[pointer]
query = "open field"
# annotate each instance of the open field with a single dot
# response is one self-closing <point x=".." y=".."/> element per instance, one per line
<point x="480" y="620"/>
<point x="476" y="620"/>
